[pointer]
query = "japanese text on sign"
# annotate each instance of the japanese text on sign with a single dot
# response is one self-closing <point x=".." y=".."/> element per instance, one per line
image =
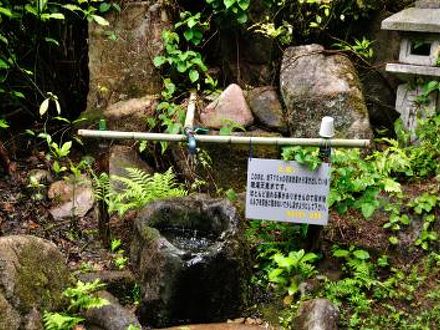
<point x="286" y="191"/>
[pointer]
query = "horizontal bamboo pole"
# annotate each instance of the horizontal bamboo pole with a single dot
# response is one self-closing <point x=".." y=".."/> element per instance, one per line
<point x="254" y="140"/>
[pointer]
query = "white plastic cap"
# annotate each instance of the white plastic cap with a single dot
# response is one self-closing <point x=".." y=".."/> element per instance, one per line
<point x="327" y="127"/>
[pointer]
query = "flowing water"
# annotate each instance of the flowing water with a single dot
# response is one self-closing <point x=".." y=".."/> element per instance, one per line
<point x="189" y="240"/>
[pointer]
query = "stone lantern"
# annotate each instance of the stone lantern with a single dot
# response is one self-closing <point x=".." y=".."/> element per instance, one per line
<point x="419" y="58"/>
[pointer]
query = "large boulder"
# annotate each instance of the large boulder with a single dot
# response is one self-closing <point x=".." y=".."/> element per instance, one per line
<point x="266" y="107"/>
<point x="33" y="276"/>
<point x="112" y="316"/>
<point x="316" y="314"/>
<point x="121" y="68"/>
<point x="72" y="197"/>
<point x="230" y="106"/>
<point x="314" y="84"/>
<point x="191" y="261"/>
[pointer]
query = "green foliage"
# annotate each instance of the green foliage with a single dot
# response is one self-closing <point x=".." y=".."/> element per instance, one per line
<point x="287" y="272"/>
<point x="57" y="321"/>
<point x="361" y="48"/>
<point x="231" y="8"/>
<point x="119" y="260"/>
<point x="230" y="126"/>
<point x="189" y="63"/>
<point x="139" y="189"/>
<point x="32" y="27"/>
<point x="308" y="157"/>
<point x="81" y="297"/>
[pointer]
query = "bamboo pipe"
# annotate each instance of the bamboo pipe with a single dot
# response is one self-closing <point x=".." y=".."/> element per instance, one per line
<point x="276" y="141"/>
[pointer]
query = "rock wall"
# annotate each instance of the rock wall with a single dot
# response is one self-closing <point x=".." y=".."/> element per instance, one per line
<point x="121" y="68"/>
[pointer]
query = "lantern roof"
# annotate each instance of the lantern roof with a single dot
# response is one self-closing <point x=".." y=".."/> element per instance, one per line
<point x="425" y="18"/>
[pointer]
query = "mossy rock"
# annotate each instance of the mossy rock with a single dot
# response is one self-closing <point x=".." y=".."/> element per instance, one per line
<point x="33" y="276"/>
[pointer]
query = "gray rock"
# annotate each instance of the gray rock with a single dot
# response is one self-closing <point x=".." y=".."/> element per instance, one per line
<point x="122" y="69"/>
<point x="230" y="106"/>
<point x="130" y="115"/>
<point x="428" y="4"/>
<point x="32" y="277"/>
<point x="179" y="248"/>
<point x="72" y="198"/>
<point x="314" y="84"/>
<point x="122" y="157"/>
<point x="112" y="316"/>
<point x="266" y="107"/>
<point x="316" y="314"/>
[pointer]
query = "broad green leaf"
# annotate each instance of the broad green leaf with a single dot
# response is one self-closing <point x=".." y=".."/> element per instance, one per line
<point x="5" y="11"/>
<point x="158" y="61"/>
<point x="244" y="4"/>
<point x="56" y="16"/>
<point x="341" y="253"/>
<point x="393" y="240"/>
<point x="368" y="209"/>
<point x="229" y="3"/>
<point x="72" y="7"/>
<point x="361" y="254"/>
<point x="44" y="106"/>
<point x="100" y="20"/>
<point x="194" y="76"/>
<point x="188" y="34"/>
<point x="3" y="64"/>
<point x="242" y="18"/>
<point x="3" y="123"/>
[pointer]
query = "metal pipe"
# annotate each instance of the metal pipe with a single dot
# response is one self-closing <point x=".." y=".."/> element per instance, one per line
<point x="254" y="140"/>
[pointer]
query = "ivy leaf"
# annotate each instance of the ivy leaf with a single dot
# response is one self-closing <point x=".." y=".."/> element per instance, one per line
<point x="194" y="76"/>
<point x="368" y="209"/>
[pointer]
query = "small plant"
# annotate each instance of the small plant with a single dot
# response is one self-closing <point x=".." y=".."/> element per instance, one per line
<point x="230" y="126"/>
<point x="119" y="260"/>
<point x="289" y="271"/>
<point x="139" y="189"/>
<point x="308" y="157"/>
<point x="361" y="48"/>
<point x="81" y="297"/>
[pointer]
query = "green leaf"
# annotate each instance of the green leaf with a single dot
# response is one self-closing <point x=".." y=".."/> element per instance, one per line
<point x="100" y="20"/>
<point x="361" y="254"/>
<point x="3" y="64"/>
<point x="242" y="18"/>
<point x="243" y="4"/>
<point x="194" y="76"/>
<point x="341" y="253"/>
<point x="393" y="240"/>
<point x="56" y="16"/>
<point x="188" y="34"/>
<point x="51" y="40"/>
<point x="158" y="61"/>
<point x="3" y="123"/>
<point x="368" y="209"/>
<point x="72" y="7"/>
<point x="5" y="11"/>
<point x="44" y="106"/>
<point x="229" y="3"/>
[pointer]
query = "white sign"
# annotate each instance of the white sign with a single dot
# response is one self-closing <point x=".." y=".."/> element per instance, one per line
<point x="286" y="191"/>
